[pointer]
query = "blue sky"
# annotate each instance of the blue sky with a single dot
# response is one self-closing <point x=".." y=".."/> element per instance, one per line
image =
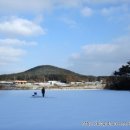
<point x="90" y="37"/>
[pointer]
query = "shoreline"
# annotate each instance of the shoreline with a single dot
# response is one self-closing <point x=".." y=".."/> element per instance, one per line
<point x="51" y="89"/>
<point x="71" y="89"/>
<point x="37" y="87"/>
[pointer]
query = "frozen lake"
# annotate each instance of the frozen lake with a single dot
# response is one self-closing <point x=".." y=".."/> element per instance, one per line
<point x="63" y="109"/>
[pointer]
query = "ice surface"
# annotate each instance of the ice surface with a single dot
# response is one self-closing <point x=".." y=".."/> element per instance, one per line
<point x="63" y="109"/>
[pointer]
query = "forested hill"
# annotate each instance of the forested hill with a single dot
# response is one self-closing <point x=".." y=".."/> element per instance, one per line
<point x="47" y="72"/>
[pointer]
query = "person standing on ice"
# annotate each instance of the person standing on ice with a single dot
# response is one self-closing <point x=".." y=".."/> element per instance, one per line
<point x="43" y="91"/>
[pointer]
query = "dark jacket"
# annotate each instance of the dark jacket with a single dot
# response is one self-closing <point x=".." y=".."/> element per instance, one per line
<point x="43" y="91"/>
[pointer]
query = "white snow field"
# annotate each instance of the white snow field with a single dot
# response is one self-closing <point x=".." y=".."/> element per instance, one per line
<point x="63" y="109"/>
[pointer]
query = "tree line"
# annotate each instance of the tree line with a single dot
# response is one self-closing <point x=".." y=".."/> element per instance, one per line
<point x="120" y="80"/>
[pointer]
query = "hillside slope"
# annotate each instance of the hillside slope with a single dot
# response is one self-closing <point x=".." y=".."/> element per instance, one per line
<point x="47" y="72"/>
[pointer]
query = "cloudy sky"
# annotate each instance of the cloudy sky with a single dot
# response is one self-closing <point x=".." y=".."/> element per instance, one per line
<point x="90" y="37"/>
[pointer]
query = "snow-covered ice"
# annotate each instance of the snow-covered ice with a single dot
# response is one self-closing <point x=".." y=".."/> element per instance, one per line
<point x="63" y="109"/>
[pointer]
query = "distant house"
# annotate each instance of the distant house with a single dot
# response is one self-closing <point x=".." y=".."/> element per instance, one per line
<point x="6" y="82"/>
<point x="53" y="83"/>
<point x="76" y="83"/>
<point x="20" y="82"/>
<point x="50" y="84"/>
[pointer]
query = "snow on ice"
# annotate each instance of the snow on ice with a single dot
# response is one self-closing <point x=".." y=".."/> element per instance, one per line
<point x="63" y="109"/>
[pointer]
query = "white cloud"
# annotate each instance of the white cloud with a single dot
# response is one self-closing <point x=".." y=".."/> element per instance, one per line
<point x="10" y="55"/>
<point x="108" y="1"/>
<point x="70" y="22"/>
<point x="26" y="6"/>
<point x="86" y="11"/>
<point x="38" y="6"/>
<point x="20" y="26"/>
<point x="101" y="59"/>
<point x="15" y="42"/>
<point x="12" y="51"/>
<point x="115" y="9"/>
<point x="69" y="3"/>
<point x="45" y="6"/>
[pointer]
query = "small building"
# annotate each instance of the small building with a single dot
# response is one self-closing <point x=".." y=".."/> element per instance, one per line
<point x="77" y="83"/>
<point x="6" y="82"/>
<point x="58" y="83"/>
<point x="20" y="82"/>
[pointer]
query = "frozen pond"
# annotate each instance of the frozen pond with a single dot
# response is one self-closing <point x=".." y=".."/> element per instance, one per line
<point x="63" y="109"/>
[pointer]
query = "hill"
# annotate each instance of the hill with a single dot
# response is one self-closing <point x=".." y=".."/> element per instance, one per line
<point x="47" y="72"/>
